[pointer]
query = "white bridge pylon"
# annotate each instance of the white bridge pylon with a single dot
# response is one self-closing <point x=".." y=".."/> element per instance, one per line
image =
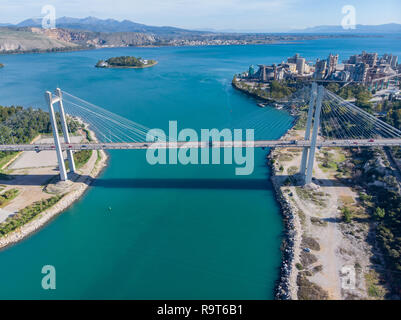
<point x="52" y="100"/>
<point x="308" y="154"/>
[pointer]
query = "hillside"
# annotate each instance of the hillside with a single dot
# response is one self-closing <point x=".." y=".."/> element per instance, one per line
<point x="24" y="40"/>
<point x="109" y="25"/>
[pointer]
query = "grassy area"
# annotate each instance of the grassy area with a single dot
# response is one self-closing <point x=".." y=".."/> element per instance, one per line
<point x="330" y="159"/>
<point x="284" y="157"/>
<point x="7" y="158"/>
<point x="7" y="196"/>
<point x="81" y="158"/>
<point x="309" y="291"/>
<point x="317" y="197"/>
<point x="99" y="157"/>
<point x="318" y="222"/>
<point x="27" y="214"/>
<point x="375" y="290"/>
<point x="88" y="135"/>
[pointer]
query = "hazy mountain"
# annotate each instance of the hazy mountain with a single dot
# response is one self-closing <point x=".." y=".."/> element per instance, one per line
<point x="107" y="25"/>
<point x="359" y="28"/>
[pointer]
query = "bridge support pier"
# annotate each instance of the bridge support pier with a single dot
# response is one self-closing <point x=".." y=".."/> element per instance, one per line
<point x="51" y="101"/>
<point x="305" y="151"/>
<point x="64" y="126"/>
<point x="316" y="124"/>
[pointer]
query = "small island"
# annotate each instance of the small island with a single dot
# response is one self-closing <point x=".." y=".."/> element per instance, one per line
<point x="126" y="62"/>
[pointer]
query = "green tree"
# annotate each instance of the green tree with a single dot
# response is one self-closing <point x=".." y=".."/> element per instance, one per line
<point x="379" y="213"/>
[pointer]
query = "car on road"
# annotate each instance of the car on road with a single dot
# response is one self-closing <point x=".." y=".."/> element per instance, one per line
<point x="84" y="146"/>
<point x="371" y="140"/>
<point x="355" y="142"/>
<point x="69" y="147"/>
<point x="53" y="147"/>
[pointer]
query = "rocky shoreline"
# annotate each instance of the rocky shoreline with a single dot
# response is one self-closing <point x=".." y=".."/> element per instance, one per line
<point x="283" y="290"/>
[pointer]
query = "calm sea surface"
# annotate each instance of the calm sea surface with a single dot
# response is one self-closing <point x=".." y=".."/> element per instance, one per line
<point x="174" y="231"/>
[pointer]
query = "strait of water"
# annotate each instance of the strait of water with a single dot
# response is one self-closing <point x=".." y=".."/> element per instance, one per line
<point x="174" y="231"/>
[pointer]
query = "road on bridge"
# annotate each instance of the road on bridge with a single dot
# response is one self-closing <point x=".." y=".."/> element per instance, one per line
<point x="202" y="144"/>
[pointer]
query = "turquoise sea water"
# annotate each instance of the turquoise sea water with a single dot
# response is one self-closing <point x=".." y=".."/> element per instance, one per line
<point x="174" y="232"/>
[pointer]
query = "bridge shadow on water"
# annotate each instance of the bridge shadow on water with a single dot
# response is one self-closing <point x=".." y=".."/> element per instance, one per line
<point x="218" y="184"/>
<point x="148" y="183"/>
<point x="294" y="180"/>
<point x="239" y="183"/>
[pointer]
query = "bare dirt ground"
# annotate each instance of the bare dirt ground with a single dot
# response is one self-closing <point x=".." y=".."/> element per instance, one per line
<point x="32" y="159"/>
<point x="331" y="264"/>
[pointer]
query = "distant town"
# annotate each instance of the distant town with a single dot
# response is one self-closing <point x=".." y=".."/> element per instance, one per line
<point x="369" y="69"/>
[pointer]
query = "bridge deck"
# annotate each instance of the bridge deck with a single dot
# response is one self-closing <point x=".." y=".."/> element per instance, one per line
<point x="201" y="144"/>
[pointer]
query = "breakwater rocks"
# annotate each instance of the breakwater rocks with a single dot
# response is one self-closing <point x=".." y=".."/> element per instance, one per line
<point x="284" y="285"/>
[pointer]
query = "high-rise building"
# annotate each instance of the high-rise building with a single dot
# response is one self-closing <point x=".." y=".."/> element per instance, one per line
<point x="360" y="72"/>
<point x="394" y="62"/>
<point x="332" y="61"/>
<point x="299" y="62"/>
<point x="369" y="58"/>
<point x="320" y="69"/>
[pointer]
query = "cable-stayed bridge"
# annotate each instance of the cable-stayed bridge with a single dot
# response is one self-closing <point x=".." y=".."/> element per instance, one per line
<point x="331" y="122"/>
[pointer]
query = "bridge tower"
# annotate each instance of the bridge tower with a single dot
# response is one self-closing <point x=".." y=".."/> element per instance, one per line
<point x="308" y="155"/>
<point x="64" y="126"/>
<point x="311" y="109"/>
<point x="51" y="101"/>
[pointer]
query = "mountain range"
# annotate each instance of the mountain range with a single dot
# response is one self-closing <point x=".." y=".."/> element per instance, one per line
<point x="112" y="25"/>
<point x="90" y="32"/>
<point x="107" y="25"/>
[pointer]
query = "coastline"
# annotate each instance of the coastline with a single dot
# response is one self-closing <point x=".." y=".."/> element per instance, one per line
<point x="83" y="182"/>
<point x="286" y="286"/>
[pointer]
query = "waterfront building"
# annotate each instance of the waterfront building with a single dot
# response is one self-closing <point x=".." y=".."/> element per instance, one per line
<point x="368" y="58"/>
<point x="320" y="69"/>
<point x="299" y="62"/>
<point x="365" y="68"/>
<point x="394" y="62"/>
<point x="332" y="61"/>
<point x="360" y="72"/>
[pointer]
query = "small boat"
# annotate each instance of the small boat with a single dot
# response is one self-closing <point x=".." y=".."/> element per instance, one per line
<point x="262" y="105"/>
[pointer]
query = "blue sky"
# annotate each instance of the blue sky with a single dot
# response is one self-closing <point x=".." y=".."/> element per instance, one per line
<point x="240" y="15"/>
